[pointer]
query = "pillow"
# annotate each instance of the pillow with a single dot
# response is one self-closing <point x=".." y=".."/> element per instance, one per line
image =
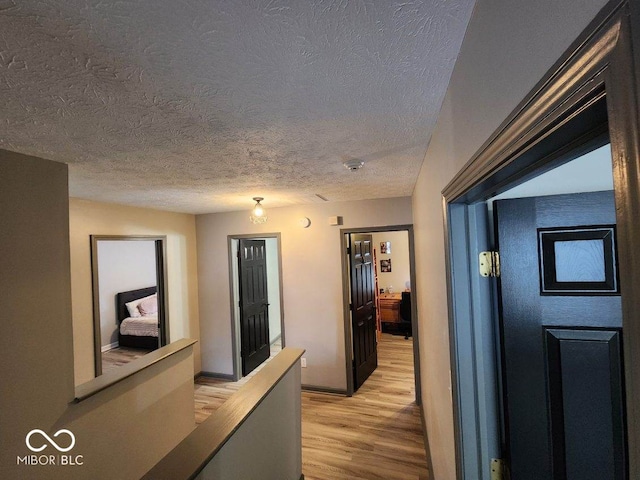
<point x="148" y="305"/>
<point x="133" y="308"/>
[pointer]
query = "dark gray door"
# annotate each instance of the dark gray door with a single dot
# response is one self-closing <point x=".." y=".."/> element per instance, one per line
<point x="363" y="318"/>
<point x="254" y="304"/>
<point x="561" y="328"/>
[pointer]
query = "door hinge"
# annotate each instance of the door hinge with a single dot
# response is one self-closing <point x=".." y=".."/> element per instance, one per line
<point x="348" y="250"/>
<point x="498" y="469"/>
<point x="489" y="264"/>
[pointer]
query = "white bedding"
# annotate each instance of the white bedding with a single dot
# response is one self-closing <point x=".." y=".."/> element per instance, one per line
<point x="146" y="326"/>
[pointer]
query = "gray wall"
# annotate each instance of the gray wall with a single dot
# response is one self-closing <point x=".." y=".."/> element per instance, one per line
<point x="508" y="47"/>
<point x="311" y="276"/>
<point x="271" y="435"/>
<point x="153" y="408"/>
<point x="88" y="218"/>
<point x="35" y="298"/>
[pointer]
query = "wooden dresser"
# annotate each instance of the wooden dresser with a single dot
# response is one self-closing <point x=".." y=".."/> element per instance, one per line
<point x="390" y="307"/>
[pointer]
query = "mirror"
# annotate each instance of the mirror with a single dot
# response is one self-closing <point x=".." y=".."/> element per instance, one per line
<point x="129" y="298"/>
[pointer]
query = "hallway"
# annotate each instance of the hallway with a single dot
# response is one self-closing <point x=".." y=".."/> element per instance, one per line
<point x="376" y="434"/>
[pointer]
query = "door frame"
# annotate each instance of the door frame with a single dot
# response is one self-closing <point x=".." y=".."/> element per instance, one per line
<point x="348" y="340"/>
<point x="162" y="283"/>
<point x="602" y="64"/>
<point x="233" y="282"/>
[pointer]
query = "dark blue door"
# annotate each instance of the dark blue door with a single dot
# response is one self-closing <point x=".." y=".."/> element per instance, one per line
<point x="561" y="328"/>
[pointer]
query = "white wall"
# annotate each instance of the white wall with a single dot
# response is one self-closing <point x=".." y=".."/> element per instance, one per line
<point x="312" y="280"/>
<point x="273" y="286"/>
<point x="508" y="47"/>
<point x="400" y="271"/>
<point x="120" y="432"/>
<point x="122" y="266"/>
<point x="591" y="172"/>
<point x="96" y="218"/>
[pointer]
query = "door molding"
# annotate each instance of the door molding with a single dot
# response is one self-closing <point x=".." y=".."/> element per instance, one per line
<point x="348" y="340"/>
<point x="162" y="282"/>
<point x="601" y="66"/>
<point x="235" y="321"/>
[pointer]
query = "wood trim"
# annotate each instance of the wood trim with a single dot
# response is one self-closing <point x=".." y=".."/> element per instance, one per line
<point x="386" y="228"/>
<point x="346" y="289"/>
<point x="117" y="375"/>
<point x="235" y="323"/>
<point x="95" y="289"/>
<point x="162" y="280"/>
<point x="162" y="288"/>
<point x="415" y="324"/>
<point x="572" y="79"/>
<point x="346" y="312"/>
<point x="106" y="348"/>
<point x="623" y="98"/>
<point x="604" y="60"/>
<point x="222" y="376"/>
<point x="453" y="338"/>
<point x="193" y="453"/>
<point x="327" y="390"/>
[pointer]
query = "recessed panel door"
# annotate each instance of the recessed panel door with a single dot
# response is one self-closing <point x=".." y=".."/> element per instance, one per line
<point x="254" y="304"/>
<point x="561" y="329"/>
<point x="363" y="318"/>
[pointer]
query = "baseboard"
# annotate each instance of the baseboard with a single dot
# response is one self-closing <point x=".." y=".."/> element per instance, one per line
<point x="425" y="438"/>
<point x="275" y="339"/>
<point x="106" y="348"/>
<point x="317" y="389"/>
<point x="222" y="376"/>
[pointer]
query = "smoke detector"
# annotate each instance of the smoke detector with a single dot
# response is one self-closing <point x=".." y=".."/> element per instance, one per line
<point x="353" y="165"/>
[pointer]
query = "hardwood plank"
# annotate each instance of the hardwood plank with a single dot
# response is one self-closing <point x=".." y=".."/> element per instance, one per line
<point x="116" y="357"/>
<point x="376" y="434"/>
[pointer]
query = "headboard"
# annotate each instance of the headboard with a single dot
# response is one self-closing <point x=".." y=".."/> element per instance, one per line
<point x="123" y="298"/>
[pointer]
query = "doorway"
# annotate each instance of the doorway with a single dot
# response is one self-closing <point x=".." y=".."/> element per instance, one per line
<point x="391" y="250"/>
<point x="557" y="310"/>
<point x="257" y="313"/>
<point x="576" y="108"/>
<point x="129" y="298"/>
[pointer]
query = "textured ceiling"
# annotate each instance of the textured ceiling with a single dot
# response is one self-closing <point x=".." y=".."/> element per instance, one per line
<point x="197" y="106"/>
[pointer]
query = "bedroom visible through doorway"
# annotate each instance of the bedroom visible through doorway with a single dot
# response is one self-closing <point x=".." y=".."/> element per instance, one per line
<point x="389" y="257"/>
<point x="129" y="298"/>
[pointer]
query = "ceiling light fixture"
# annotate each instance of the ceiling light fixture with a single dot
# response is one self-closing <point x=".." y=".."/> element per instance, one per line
<point x="258" y="214"/>
<point x="353" y="165"/>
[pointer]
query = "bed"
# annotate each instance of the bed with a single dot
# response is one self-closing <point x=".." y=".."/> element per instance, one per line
<point x="139" y="330"/>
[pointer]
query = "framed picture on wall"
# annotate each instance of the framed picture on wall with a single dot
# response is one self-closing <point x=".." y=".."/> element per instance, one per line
<point x="385" y="265"/>
<point x="385" y="248"/>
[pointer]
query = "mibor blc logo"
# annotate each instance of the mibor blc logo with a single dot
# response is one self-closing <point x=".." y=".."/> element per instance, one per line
<point x="63" y="441"/>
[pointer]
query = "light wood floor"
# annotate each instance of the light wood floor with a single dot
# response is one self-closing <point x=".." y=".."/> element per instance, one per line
<point x="116" y="357"/>
<point x="210" y="393"/>
<point x="376" y="434"/>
